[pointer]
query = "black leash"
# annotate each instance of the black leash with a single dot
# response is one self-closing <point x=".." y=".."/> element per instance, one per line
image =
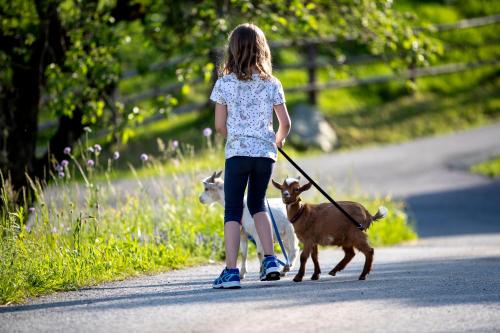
<point x="356" y="223"/>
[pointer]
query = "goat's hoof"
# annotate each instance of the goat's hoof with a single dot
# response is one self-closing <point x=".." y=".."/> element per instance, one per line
<point x="297" y="279"/>
<point x="332" y="273"/>
<point x="362" y="277"/>
<point x="285" y="270"/>
<point x="315" y="277"/>
<point x="242" y="276"/>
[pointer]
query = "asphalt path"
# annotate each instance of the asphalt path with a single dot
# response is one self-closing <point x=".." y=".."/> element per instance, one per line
<point x="448" y="281"/>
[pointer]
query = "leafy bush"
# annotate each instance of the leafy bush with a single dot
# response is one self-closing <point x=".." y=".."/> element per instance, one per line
<point x="490" y="168"/>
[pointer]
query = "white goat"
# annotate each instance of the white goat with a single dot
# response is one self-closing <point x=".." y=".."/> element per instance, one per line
<point x="214" y="192"/>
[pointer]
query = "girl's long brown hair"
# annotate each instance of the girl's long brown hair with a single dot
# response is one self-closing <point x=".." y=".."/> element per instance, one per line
<point x="248" y="48"/>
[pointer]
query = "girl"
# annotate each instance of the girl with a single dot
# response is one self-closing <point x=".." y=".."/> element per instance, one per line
<point x="245" y="98"/>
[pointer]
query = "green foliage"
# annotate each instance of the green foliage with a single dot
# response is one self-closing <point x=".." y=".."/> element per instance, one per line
<point x="79" y="74"/>
<point x="395" y="228"/>
<point x="97" y="45"/>
<point x="380" y="113"/>
<point x="490" y="168"/>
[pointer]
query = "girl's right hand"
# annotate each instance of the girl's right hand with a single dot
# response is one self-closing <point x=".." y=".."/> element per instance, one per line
<point x="284" y="126"/>
<point x="280" y="143"/>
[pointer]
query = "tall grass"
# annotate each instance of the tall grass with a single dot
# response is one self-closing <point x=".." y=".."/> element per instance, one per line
<point x="81" y="233"/>
<point x="95" y="230"/>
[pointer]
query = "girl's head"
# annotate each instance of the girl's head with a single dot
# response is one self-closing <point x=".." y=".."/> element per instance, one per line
<point x="248" y="50"/>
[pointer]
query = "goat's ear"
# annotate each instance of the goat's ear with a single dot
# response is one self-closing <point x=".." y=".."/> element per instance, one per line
<point x="277" y="185"/>
<point x="211" y="178"/>
<point x="305" y="187"/>
<point x="218" y="174"/>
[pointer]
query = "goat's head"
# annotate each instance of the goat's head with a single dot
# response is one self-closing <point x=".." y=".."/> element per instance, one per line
<point x="291" y="189"/>
<point x="213" y="189"/>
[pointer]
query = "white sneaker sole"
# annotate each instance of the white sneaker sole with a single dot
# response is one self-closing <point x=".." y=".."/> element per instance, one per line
<point x="272" y="274"/>
<point x="227" y="285"/>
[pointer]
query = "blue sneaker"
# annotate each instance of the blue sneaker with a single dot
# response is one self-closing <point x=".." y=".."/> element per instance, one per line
<point x="270" y="269"/>
<point x="229" y="279"/>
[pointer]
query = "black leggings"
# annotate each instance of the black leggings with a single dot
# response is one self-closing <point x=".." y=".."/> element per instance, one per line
<point x="240" y="170"/>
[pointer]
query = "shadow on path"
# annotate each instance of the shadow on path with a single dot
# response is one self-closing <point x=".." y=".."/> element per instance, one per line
<point x="411" y="283"/>
<point x="472" y="210"/>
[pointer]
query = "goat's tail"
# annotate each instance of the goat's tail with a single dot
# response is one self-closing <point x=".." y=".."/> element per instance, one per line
<point x="381" y="213"/>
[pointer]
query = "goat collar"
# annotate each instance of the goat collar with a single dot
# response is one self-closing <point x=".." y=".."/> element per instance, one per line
<point x="299" y="212"/>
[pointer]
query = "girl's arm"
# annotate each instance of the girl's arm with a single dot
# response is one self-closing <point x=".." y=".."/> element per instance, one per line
<point x="284" y="124"/>
<point x="220" y="119"/>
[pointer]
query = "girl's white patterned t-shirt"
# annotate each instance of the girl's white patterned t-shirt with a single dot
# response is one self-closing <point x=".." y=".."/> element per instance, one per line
<point x="249" y="114"/>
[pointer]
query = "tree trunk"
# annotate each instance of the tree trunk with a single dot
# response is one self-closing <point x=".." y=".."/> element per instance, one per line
<point x="20" y="101"/>
<point x="20" y="118"/>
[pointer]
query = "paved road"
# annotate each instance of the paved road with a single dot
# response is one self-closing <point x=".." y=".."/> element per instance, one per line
<point x="446" y="282"/>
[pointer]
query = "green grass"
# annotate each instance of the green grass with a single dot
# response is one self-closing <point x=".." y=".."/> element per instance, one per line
<point x="421" y="114"/>
<point x="490" y="168"/>
<point x="83" y="234"/>
<point x="68" y="242"/>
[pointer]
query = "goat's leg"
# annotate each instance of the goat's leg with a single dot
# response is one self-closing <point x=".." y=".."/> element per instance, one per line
<point x="260" y="250"/>
<point x="244" y="253"/>
<point x="285" y="270"/>
<point x="368" y="252"/>
<point x="260" y="255"/>
<point x="314" y="256"/>
<point x="349" y="254"/>
<point x="303" y="259"/>
<point x="291" y="251"/>
<point x="293" y="248"/>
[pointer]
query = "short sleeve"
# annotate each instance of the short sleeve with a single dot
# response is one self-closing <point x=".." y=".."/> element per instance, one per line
<point x="217" y="95"/>
<point x="279" y="94"/>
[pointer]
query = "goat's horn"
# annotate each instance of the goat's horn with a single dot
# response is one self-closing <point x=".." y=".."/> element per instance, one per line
<point x="218" y="174"/>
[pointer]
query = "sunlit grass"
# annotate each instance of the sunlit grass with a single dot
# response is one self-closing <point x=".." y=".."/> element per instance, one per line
<point x="422" y="114"/>
<point x="77" y="235"/>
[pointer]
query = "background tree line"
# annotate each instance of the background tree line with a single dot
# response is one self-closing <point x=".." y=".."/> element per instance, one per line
<point x="62" y="56"/>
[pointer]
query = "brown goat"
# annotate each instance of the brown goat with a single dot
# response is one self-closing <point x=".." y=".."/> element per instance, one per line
<point x="324" y="224"/>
